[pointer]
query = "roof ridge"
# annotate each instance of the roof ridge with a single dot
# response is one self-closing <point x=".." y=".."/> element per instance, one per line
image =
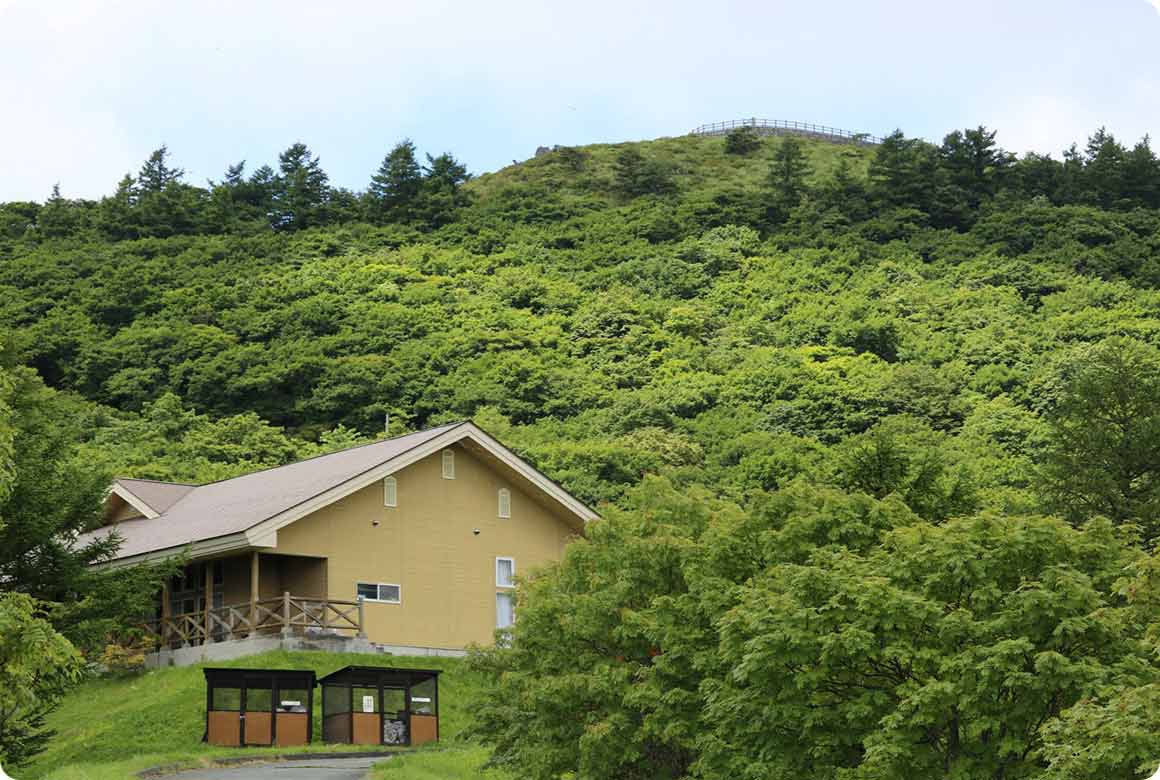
<point x="445" y="426"/>
<point x="157" y="481"/>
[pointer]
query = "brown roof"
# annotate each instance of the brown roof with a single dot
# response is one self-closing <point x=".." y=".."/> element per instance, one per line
<point x="235" y="505"/>
<point x="158" y="496"/>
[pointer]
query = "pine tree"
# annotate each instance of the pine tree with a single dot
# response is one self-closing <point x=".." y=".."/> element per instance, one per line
<point x="442" y="192"/>
<point x="116" y="211"/>
<point x="395" y="187"/>
<point x="1142" y="175"/>
<point x="156" y="174"/>
<point x="1103" y="169"/>
<point x="789" y="172"/>
<point x="235" y="174"/>
<point x="638" y="175"/>
<point x="301" y="190"/>
<point x="903" y="173"/>
<point x="58" y="217"/>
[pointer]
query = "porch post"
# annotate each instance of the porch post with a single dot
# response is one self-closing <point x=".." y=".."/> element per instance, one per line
<point x="254" y="593"/>
<point x="285" y="614"/>
<point x="362" y="625"/>
<point x="165" y="613"/>
<point x="208" y="599"/>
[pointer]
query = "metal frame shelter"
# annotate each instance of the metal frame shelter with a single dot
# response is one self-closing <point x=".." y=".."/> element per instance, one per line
<point x="259" y="706"/>
<point x="375" y="705"/>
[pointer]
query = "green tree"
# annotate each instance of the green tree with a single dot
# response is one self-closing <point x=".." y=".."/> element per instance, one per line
<point x="47" y="496"/>
<point x="903" y="173"/>
<point x="301" y="190"/>
<point x="939" y="653"/>
<point x="1103" y="455"/>
<point x="165" y="206"/>
<point x="397" y="184"/>
<point x="156" y="174"/>
<point x="441" y="195"/>
<point x="905" y="457"/>
<point x="972" y="168"/>
<point x="59" y="217"/>
<point x="742" y="141"/>
<point x="1142" y="175"/>
<point x="37" y="666"/>
<point x="1104" y="169"/>
<point x="789" y="173"/>
<point x="116" y="217"/>
<point x="636" y="175"/>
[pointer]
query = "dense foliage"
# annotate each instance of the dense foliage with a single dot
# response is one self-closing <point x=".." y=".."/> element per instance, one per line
<point x="37" y="665"/>
<point x="900" y="403"/>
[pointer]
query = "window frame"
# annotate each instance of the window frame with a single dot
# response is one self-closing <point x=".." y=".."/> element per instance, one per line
<point x="379" y="591"/>
<point x="391" y="496"/>
<point x="448" y="462"/>
<point x="511" y="597"/>
<point x="504" y="493"/>
<point x="510" y="560"/>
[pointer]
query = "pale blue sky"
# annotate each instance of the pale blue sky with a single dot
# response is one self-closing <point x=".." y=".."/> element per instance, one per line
<point x="88" y="89"/>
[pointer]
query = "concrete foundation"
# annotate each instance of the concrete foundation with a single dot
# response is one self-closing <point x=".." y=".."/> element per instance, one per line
<point x="240" y="648"/>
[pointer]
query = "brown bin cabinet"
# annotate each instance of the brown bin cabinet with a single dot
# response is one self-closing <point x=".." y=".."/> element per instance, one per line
<point x="373" y="705"/>
<point x="259" y="707"/>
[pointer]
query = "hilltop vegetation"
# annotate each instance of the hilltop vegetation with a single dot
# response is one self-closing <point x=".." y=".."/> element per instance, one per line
<point x="876" y="430"/>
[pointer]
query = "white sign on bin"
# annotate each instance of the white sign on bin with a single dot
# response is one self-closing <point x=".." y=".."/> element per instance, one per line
<point x="368" y="703"/>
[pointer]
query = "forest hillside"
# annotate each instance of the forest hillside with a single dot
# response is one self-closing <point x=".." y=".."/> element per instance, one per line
<point x="875" y="430"/>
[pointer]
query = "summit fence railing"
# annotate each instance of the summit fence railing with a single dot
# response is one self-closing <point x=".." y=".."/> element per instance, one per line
<point x="784" y="127"/>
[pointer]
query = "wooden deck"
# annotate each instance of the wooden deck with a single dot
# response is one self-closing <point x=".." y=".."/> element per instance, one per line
<point x="286" y="615"/>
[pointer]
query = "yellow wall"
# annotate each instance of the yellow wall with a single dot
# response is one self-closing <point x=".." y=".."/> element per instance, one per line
<point x="303" y="577"/>
<point x="426" y="545"/>
<point x="124" y="511"/>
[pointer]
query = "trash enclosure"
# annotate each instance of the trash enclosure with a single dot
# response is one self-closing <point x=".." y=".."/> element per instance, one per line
<point x="259" y="706"/>
<point x="374" y="705"/>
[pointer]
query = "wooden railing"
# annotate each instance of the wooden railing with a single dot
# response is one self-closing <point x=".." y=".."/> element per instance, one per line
<point x="286" y="615"/>
<point x="782" y="127"/>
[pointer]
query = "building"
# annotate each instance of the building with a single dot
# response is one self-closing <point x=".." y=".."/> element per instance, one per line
<point x="411" y="543"/>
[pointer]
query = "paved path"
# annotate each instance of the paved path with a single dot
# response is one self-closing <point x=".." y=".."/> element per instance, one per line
<point x="310" y="769"/>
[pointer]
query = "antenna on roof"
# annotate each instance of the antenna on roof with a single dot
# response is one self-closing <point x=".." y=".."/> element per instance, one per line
<point x="387" y="423"/>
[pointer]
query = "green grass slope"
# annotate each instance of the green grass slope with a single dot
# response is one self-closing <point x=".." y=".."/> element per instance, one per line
<point x="112" y="727"/>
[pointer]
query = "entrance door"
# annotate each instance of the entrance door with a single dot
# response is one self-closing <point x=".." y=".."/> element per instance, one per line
<point x="366" y="716"/>
<point x="258" y="714"/>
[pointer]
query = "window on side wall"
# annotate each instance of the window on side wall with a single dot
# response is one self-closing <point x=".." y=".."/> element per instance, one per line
<point x="505" y="609"/>
<point x="448" y="464"/>
<point x="505" y="572"/>
<point x="384" y="593"/>
<point x="505" y="502"/>
<point x="390" y="492"/>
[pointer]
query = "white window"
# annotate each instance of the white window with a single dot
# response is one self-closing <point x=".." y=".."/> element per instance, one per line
<point x="390" y="492"/>
<point x="505" y="610"/>
<point x="505" y="572"/>
<point x="448" y="464"/>
<point x="380" y="592"/>
<point x="505" y="502"/>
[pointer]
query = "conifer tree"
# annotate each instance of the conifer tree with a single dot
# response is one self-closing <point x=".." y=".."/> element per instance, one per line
<point x="156" y="174"/>
<point x="442" y="192"/>
<point x="395" y="187"/>
<point x="301" y="190"/>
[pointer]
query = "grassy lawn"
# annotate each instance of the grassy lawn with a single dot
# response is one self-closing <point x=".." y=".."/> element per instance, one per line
<point x="459" y="762"/>
<point x="115" y="726"/>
